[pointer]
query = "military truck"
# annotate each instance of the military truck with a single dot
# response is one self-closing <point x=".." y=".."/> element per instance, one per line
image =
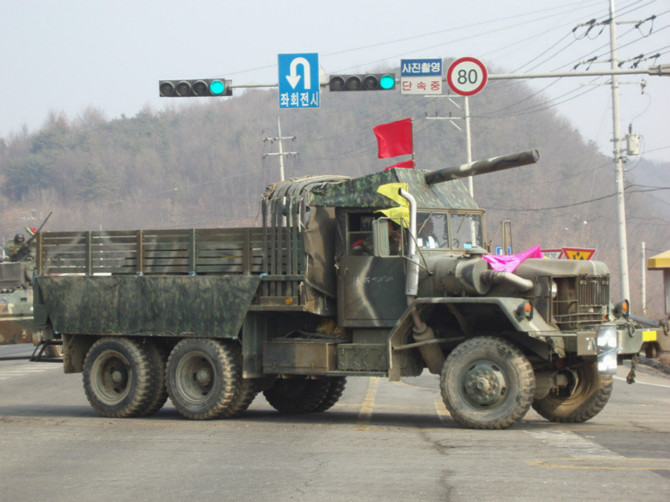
<point x="16" y="303"/>
<point x="340" y="280"/>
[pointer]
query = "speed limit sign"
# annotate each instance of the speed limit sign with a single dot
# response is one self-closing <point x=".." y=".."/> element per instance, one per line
<point x="467" y="76"/>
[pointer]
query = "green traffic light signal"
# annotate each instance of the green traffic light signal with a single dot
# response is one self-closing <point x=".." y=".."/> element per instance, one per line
<point x="194" y="88"/>
<point x="364" y="82"/>
<point x="217" y="87"/>
<point x="387" y="82"/>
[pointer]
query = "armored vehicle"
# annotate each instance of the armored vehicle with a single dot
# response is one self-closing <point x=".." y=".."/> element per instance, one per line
<point x="381" y="275"/>
<point x="16" y="304"/>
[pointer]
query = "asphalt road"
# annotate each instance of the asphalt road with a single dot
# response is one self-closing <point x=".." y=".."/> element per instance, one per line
<point x="382" y="441"/>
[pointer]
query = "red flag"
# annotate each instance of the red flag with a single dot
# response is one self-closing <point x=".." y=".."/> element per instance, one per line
<point x="394" y="139"/>
<point x="407" y="164"/>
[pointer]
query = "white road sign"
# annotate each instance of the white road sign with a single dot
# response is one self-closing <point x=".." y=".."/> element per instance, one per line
<point x="467" y="76"/>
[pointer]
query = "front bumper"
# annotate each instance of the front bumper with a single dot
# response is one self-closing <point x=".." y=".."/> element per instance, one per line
<point x="629" y="340"/>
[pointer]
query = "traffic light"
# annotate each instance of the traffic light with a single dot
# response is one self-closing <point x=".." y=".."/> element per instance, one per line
<point x="364" y="82"/>
<point x="195" y="88"/>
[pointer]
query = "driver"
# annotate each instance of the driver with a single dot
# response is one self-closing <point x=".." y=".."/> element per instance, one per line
<point x="427" y="238"/>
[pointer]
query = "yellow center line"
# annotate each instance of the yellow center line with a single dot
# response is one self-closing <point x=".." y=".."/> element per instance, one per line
<point x="441" y="410"/>
<point x="368" y="405"/>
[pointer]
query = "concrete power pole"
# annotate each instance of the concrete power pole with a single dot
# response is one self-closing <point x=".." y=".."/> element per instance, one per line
<point x="643" y="279"/>
<point x="618" y="162"/>
<point x="468" y="136"/>
<point x="281" y="153"/>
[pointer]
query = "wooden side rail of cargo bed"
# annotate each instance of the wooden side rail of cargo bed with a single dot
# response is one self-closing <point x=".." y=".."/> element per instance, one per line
<point x="229" y="251"/>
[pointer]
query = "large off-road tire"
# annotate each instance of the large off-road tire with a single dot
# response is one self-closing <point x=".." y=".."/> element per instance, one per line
<point x="584" y="396"/>
<point x="203" y="378"/>
<point x="117" y="377"/>
<point x="244" y="396"/>
<point x="487" y="383"/>
<point x="333" y="394"/>
<point x="297" y="395"/>
<point x="158" y="392"/>
<point x="247" y="389"/>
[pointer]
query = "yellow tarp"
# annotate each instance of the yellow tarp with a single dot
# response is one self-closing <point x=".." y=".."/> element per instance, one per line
<point x="659" y="262"/>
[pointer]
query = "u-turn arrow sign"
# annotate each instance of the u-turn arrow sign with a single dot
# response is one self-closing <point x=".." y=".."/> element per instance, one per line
<point x="299" y="80"/>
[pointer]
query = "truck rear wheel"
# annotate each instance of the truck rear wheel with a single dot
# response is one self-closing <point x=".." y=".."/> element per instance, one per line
<point x="299" y="394"/>
<point x="487" y="383"/>
<point x="584" y="395"/>
<point x="203" y="377"/>
<point x="117" y="377"/>
<point x="158" y="392"/>
<point x="246" y="392"/>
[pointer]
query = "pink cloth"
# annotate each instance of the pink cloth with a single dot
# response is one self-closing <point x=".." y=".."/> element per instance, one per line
<point x="510" y="262"/>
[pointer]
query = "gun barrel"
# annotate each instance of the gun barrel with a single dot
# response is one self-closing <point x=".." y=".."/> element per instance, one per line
<point x="483" y="166"/>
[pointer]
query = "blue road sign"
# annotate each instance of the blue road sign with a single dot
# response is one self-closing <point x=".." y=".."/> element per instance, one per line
<point x="299" y="81"/>
<point x="420" y="67"/>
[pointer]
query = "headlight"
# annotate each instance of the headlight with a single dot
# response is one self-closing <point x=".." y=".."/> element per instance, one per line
<point x="554" y="289"/>
<point x="607" y="338"/>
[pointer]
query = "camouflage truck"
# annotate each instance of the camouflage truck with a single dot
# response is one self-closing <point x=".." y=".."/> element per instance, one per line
<point x="211" y="317"/>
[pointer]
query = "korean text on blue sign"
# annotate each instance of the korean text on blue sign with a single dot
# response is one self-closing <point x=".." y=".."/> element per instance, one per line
<point x="421" y="76"/>
<point x="420" y="67"/>
<point x="299" y="80"/>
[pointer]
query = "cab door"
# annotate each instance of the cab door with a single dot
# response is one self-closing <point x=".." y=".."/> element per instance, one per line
<point x="370" y="289"/>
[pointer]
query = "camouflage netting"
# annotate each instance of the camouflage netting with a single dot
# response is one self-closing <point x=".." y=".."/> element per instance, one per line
<point x="212" y="306"/>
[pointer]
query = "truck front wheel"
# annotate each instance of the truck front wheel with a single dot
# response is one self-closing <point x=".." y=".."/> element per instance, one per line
<point x="487" y="383"/>
<point x="333" y="394"/>
<point x="583" y="392"/>
<point x="117" y="377"/>
<point x="203" y="377"/>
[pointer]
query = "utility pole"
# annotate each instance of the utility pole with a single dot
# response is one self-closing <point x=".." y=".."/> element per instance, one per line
<point x="468" y="136"/>
<point x="281" y="152"/>
<point x="643" y="279"/>
<point x="618" y="162"/>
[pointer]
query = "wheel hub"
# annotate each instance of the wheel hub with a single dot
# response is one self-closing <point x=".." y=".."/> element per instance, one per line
<point x="117" y="376"/>
<point x="484" y="384"/>
<point x="203" y="376"/>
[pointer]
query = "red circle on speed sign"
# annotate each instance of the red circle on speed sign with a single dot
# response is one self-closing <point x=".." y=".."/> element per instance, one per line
<point x="467" y="76"/>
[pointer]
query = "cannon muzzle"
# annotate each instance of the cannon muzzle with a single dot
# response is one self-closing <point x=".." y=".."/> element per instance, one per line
<point x="483" y="166"/>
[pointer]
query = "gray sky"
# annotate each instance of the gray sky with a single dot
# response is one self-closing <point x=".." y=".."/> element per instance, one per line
<point x="67" y="55"/>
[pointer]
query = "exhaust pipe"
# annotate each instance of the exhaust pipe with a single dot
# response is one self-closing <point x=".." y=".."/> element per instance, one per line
<point x="431" y="352"/>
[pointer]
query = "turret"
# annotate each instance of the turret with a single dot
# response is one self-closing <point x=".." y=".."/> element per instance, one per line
<point x="483" y="166"/>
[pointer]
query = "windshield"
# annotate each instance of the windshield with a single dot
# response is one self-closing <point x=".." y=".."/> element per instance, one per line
<point x="466" y="231"/>
<point x="449" y="230"/>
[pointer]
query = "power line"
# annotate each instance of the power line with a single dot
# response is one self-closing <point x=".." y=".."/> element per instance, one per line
<point x="575" y="204"/>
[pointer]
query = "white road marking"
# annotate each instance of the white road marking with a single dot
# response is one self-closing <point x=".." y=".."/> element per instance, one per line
<point x="573" y="445"/>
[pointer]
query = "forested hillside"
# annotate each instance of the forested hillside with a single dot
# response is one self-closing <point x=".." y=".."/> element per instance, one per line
<point x="202" y="166"/>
